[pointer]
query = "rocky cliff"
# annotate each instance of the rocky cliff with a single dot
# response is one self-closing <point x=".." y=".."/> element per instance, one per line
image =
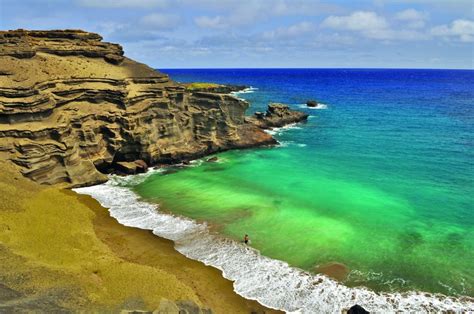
<point x="72" y="107"/>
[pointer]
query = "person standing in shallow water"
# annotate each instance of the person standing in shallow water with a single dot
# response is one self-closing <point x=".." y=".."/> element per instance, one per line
<point x="246" y="239"/>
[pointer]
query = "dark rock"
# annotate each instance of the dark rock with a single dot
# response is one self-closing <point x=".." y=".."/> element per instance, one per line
<point x="312" y="103"/>
<point x="259" y="115"/>
<point x="277" y="115"/>
<point x="357" y="309"/>
<point x="213" y="159"/>
<point x="141" y="166"/>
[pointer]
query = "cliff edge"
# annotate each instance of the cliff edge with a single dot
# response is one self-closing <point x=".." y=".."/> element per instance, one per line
<point x="72" y="107"/>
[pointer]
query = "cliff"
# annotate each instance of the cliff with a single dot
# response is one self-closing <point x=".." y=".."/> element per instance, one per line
<point x="72" y="107"/>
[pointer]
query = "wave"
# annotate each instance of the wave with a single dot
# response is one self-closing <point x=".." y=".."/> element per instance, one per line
<point x="245" y="90"/>
<point x="318" y="107"/>
<point x="278" y="131"/>
<point x="290" y="143"/>
<point x="273" y="283"/>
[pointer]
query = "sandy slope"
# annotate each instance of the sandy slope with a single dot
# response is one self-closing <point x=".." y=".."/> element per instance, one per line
<point x="62" y="250"/>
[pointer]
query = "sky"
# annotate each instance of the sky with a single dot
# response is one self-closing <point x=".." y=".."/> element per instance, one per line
<point x="267" y="33"/>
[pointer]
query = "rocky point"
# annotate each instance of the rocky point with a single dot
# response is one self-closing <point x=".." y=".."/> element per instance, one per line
<point x="73" y="108"/>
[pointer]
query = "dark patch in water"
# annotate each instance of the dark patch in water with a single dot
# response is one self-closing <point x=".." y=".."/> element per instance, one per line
<point x="410" y="239"/>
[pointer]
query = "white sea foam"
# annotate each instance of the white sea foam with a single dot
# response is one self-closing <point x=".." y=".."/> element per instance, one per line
<point x="245" y="90"/>
<point x="278" y="131"/>
<point x="271" y="282"/>
<point x="318" y="107"/>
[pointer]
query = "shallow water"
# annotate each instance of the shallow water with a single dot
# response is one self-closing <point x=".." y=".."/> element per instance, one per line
<point x="381" y="180"/>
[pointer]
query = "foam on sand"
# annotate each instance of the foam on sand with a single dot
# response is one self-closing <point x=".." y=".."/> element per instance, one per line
<point x="271" y="282"/>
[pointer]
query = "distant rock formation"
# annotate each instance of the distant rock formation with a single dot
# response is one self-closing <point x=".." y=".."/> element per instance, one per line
<point x="73" y="108"/>
<point x="312" y="103"/>
<point x="215" y="88"/>
<point x="277" y="115"/>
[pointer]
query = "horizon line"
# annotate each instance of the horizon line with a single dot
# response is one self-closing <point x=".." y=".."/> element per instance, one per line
<point x="308" y="68"/>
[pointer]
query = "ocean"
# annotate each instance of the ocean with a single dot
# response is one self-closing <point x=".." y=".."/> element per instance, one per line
<point x="379" y="179"/>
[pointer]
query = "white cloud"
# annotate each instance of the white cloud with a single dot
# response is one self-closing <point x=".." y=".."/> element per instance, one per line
<point x="159" y="21"/>
<point x="412" y="18"/>
<point x="371" y="25"/>
<point x="123" y="3"/>
<point x="460" y="29"/>
<point x="290" y="31"/>
<point x="358" y="21"/>
<point x="210" y="22"/>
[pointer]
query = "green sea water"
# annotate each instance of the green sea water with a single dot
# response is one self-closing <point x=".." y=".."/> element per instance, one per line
<point x="385" y="191"/>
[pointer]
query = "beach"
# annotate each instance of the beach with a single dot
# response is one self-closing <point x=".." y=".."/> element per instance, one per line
<point x="88" y="261"/>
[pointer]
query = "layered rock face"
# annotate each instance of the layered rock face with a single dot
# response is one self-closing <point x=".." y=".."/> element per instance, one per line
<point x="72" y="107"/>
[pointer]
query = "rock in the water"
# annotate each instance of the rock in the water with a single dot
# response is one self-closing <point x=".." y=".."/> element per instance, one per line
<point x="357" y="309"/>
<point x="312" y="103"/>
<point x="71" y="106"/>
<point x="213" y="159"/>
<point x="277" y="115"/>
<point x="141" y="166"/>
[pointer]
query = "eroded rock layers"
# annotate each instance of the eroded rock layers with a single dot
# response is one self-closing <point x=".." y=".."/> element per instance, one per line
<point x="72" y="107"/>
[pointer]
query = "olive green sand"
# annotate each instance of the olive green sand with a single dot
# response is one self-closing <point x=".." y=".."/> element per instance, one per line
<point x="62" y="250"/>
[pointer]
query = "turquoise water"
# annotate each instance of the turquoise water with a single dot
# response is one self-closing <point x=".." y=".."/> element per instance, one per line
<point x="381" y="180"/>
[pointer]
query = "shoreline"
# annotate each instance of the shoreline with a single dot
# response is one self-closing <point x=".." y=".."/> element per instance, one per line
<point x="272" y="282"/>
<point x="61" y="251"/>
<point x="143" y="247"/>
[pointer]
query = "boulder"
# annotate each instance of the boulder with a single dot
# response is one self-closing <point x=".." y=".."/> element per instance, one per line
<point x="141" y="166"/>
<point x="357" y="309"/>
<point x="312" y="103"/>
<point x="126" y="167"/>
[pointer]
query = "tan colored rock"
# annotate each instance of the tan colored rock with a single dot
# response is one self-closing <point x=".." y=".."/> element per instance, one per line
<point x="71" y="106"/>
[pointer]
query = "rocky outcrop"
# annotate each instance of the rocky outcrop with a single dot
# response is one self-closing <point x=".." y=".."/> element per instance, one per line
<point x="25" y="44"/>
<point x="215" y="88"/>
<point x="312" y="103"/>
<point x="73" y="108"/>
<point x="277" y="115"/>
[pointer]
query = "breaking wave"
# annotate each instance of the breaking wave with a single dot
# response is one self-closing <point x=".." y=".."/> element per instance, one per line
<point x="318" y="107"/>
<point x="271" y="282"/>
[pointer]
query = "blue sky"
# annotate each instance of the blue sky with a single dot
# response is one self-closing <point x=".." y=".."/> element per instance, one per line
<point x="266" y="33"/>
